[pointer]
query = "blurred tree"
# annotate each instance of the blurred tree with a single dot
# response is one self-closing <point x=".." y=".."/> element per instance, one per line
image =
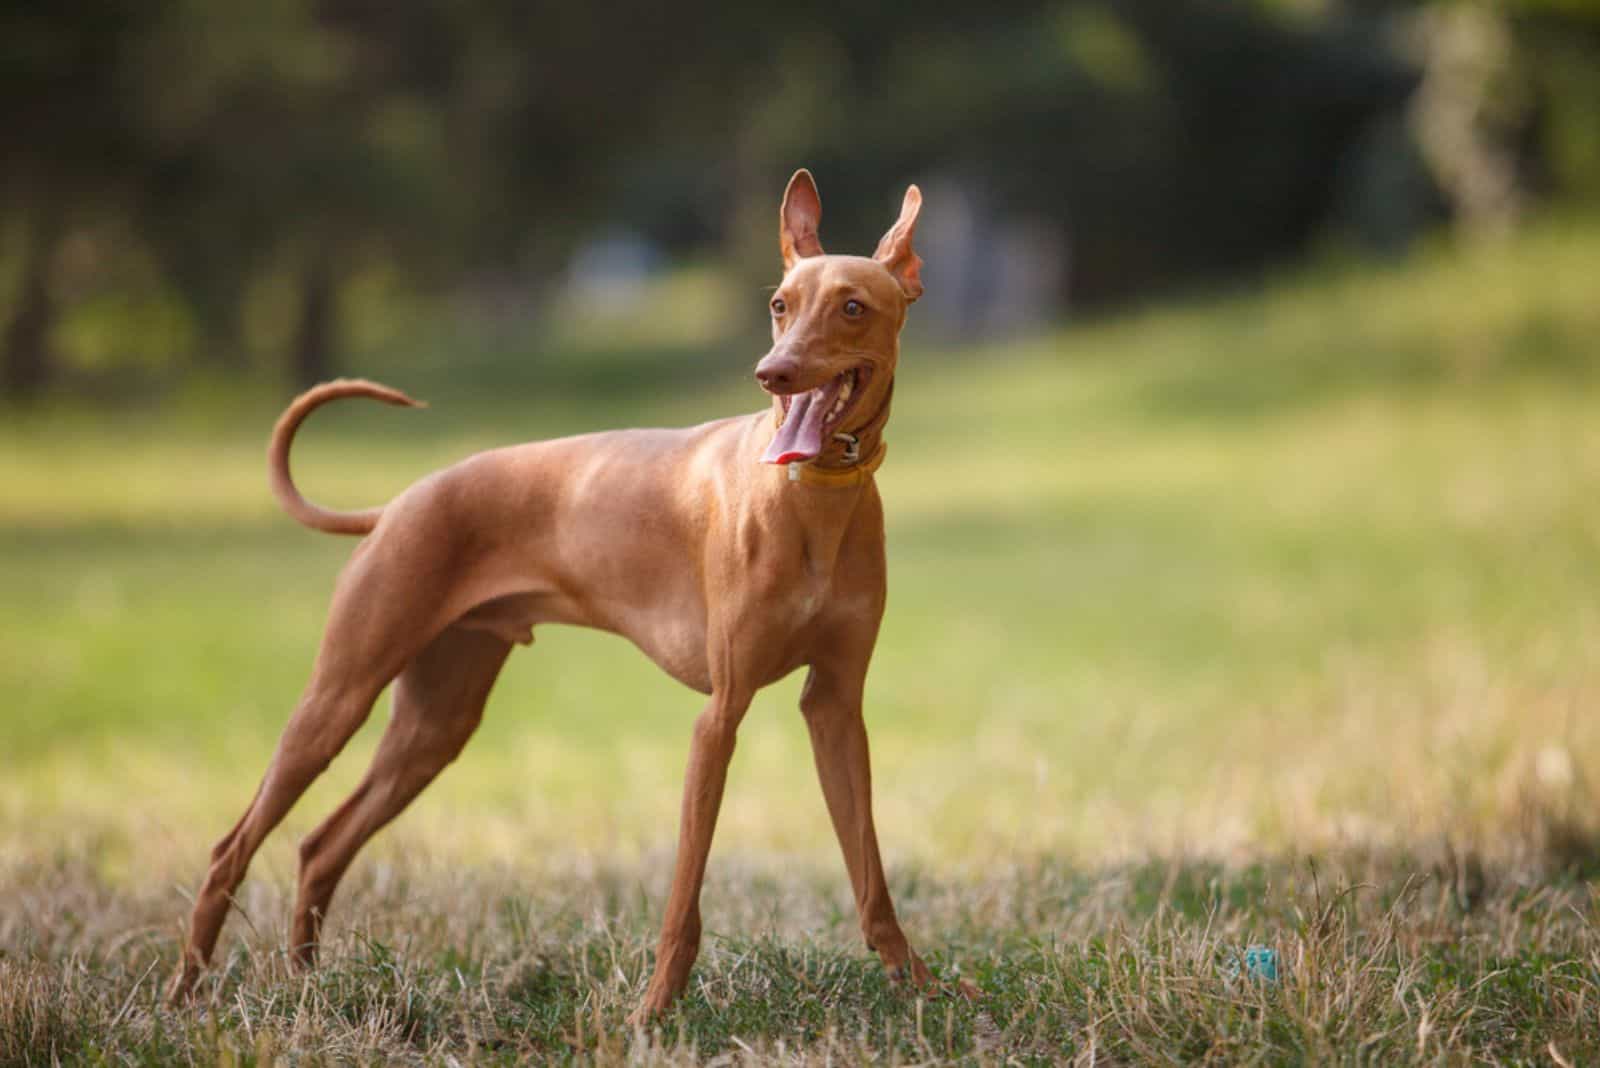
<point x="69" y="150"/>
<point x="291" y="147"/>
<point x="1468" y="110"/>
<point x="295" y="140"/>
<point x="28" y="357"/>
<point x="1557" y="56"/>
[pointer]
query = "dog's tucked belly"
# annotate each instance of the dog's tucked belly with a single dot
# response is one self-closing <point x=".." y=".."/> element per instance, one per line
<point x="679" y="647"/>
<point x="676" y="643"/>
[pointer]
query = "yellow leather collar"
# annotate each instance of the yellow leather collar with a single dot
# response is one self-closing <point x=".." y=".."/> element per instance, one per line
<point x="810" y="474"/>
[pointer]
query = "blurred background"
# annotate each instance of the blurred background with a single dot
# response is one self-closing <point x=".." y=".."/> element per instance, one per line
<point x="1243" y="490"/>
<point x="275" y="189"/>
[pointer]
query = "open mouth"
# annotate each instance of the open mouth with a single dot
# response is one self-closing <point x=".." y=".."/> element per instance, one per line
<point x="810" y="417"/>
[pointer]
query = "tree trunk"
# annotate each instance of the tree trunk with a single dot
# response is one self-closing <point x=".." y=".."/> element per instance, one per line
<point x="313" y="355"/>
<point x="214" y="293"/>
<point x="28" y="363"/>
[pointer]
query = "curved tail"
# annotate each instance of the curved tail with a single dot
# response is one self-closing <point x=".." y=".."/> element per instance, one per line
<point x="313" y="515"/>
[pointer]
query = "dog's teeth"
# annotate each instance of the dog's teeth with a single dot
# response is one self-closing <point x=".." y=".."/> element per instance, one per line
<point x="845" y="393"/>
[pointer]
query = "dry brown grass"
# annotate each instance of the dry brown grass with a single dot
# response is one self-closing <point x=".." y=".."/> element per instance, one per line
<point x="1440" y="956"/>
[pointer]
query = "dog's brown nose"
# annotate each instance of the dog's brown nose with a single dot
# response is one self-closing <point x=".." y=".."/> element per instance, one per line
<point x="777" y="376"/>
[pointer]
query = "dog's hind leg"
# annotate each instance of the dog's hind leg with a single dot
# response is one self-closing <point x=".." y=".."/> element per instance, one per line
<point x="438" y="703"/>
<point x="319" y="728"/>
<point x="380" y="618"/>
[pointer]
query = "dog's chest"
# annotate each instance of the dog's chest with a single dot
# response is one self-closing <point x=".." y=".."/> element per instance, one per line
<point x="809" y="593"/>
<point x="790" y="568"/>
<point x="813" y="581"/>
<point x="805" y="601"/>
<point x="789" y="597"/>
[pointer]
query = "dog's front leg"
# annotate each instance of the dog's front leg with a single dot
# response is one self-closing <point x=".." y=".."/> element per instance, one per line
<point x="709" y="754"/>
<point x="831" y="703"/>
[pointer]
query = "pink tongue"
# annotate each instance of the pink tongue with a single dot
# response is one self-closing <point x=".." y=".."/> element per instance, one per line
<point x="800" y="436"/>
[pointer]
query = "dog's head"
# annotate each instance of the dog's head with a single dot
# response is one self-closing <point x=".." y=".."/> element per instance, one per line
<point x="835" y="325"/>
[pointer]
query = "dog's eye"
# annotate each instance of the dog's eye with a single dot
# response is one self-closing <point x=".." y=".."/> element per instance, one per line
<point x="778" y="306"/>
<point x="854" y="308"/>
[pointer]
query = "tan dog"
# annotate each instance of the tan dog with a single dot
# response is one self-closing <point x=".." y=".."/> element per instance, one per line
<point x="732" y="553"/>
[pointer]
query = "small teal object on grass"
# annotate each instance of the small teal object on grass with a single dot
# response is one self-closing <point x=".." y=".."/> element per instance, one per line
<point x="1261" y="962"/>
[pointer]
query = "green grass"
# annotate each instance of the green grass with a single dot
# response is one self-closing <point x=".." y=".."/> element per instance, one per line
<point x="1184" y="606"/>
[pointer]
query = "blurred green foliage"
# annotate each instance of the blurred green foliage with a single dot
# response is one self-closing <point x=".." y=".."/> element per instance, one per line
<point x="188" y="184"/>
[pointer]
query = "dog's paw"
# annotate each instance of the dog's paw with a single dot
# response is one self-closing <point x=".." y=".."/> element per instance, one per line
<point x="912" y="973"/>
<point x="645" y="1014"/>
<point x="180" y="991"/>
<point x="915" y="974"/>
<point x="965" y="989"/>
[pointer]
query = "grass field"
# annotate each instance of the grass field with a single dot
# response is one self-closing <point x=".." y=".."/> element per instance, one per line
<point x="1263" y="620"/>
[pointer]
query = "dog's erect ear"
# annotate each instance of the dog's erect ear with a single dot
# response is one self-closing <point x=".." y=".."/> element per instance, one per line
<point x="798" y="219"/>
<point x="894" y="251"/>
